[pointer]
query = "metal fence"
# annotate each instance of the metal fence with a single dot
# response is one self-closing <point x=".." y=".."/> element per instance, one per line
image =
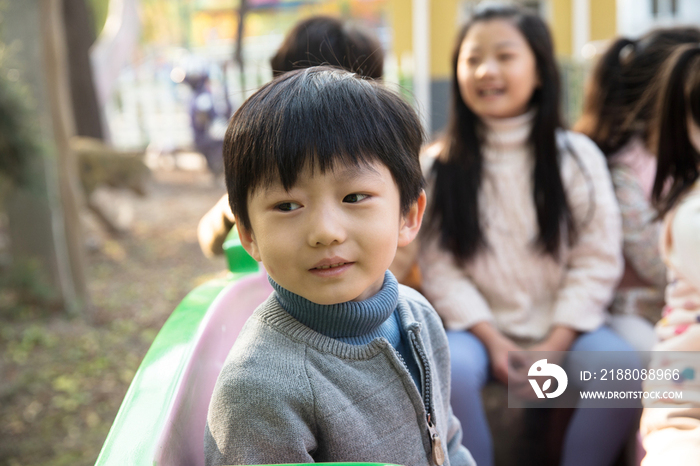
<point x="148" y="108"/>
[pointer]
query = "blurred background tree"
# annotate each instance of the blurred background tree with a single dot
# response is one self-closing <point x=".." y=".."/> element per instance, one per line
<point x="80" y="35"/>
<point x="16" y="143"/>
<point x="41" y="205"/>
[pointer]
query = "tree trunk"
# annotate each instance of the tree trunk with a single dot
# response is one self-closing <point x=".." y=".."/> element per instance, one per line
<point x="79" y="38"/>
<point x="43" y="217"/>
<point x="238" y="52"/>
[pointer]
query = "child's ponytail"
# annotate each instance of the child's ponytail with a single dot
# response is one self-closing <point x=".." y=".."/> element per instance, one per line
<point x="605" y="106"/>
<point x="617" y="106"/>
<point x="679" y="101"/>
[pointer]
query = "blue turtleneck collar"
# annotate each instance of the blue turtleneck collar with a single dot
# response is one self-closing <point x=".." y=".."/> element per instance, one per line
<point x="350" y="319"/>
<point x="354" y="322"/>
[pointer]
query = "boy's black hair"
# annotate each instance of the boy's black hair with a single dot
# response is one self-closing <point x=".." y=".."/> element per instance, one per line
<point x="324" y="40"/>
<point x="678" y="101"/>
<point x="319" y="117"/>
<point x="453" y="212"/>
<point x="615" y="108"/>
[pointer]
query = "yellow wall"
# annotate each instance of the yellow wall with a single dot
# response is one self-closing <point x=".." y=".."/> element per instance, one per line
<point x="443" y="29"/>
<point x="560" y="24"/>
<point x="603" y="19"/>
<point x="401" y="26"/>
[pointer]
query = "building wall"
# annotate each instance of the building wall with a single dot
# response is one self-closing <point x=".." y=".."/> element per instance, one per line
<point x="635" y="17"/>
<point x="603" y="19"/>
<point x="573" y="23"/>
<point x="560" y="14"/>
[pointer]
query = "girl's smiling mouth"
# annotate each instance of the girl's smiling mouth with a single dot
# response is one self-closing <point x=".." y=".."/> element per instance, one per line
<point x="490" y="92"/>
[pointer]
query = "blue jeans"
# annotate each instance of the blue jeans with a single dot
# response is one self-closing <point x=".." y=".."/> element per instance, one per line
<point x="594" y="436"/>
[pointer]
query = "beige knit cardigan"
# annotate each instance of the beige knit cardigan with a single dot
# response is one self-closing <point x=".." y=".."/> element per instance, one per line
<point x="513" y="284"/>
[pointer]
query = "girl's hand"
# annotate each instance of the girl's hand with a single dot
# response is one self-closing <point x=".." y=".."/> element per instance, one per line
<point x="559" y="339"/>
<point x="677" y="320"/>
<point x="502" y="363"/>
<point x="498" y="346"/>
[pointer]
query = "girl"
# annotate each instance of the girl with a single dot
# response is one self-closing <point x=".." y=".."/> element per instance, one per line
<point x="614" y="119"/>
<point x="523" y="246"/>
<point x="672" y="430"/>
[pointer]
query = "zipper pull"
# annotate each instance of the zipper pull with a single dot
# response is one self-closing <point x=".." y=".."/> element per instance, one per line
<point x="438" y="454"/>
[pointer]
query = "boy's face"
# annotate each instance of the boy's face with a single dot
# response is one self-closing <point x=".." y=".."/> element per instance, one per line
<point x="331" y="237"/>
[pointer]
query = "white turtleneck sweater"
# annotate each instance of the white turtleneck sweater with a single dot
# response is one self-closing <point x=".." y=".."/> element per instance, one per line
<point x="512" y="284"/>
<point x="671" y="430"/>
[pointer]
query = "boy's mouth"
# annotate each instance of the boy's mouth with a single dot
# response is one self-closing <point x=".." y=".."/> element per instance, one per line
<point x="332" y="266"/>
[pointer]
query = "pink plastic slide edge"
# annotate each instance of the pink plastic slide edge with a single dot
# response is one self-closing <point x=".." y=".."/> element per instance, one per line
<point x="182" y="440"/>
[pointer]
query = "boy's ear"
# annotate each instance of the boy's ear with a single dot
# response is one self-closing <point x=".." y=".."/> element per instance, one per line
<point x="248" y="241"/>
<point x="411" y="222"/>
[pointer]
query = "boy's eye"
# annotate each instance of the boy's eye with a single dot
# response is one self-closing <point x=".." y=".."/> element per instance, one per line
<point x="505" y="56"/>
<point x="352" y="198"/>
<point x="287" y="206"/>
<point x="473" y="60"/>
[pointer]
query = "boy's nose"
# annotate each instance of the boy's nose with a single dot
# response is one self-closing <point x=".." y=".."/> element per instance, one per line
<point x="326" y="228"/>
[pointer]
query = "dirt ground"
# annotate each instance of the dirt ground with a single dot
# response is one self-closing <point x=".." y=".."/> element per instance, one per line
<point x="62" y="379"/>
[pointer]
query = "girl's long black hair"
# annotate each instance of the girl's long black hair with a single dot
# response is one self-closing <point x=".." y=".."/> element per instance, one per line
<point x="454" y="210"/>
<point x="678" y="101"/>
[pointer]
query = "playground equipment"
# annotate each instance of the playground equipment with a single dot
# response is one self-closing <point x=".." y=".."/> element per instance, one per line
<point x="161" y="420"/>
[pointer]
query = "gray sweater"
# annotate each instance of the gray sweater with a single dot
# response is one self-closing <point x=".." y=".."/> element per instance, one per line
<point x="355" y="322"/>
<point x="288" y="394"/>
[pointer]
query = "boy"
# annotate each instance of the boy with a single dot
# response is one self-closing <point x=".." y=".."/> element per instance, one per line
<point x="311" y="42"/>
<point x="340" y="363"/>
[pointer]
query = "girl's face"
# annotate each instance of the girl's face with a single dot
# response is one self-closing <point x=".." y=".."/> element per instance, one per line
<point x="496" y="70"/>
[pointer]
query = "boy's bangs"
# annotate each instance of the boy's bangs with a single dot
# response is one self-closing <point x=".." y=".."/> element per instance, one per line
<point x="320" y="118"/>
<point x="322" y="127"/>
